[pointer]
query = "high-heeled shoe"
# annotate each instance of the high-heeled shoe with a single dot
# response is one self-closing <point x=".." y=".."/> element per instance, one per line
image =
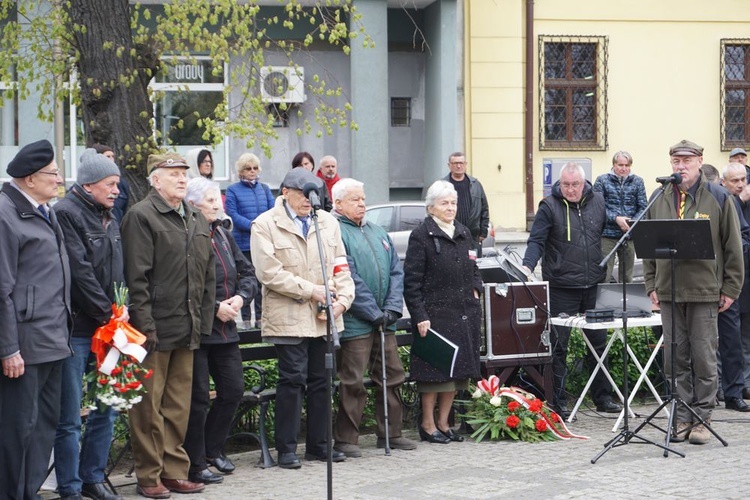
<point x="435" y="437"/>
<point x="452" y="435"/>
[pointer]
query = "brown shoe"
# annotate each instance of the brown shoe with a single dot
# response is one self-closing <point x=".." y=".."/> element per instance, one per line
<point x="183" y="485"/>
<point x="681" y="432"/>
<point x="158" y="491"/>
<point x="700" y="435"/>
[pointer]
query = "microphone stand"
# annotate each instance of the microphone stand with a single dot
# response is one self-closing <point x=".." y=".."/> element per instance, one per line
<point x="626" y="435"/>
<point x="332" y="340"/>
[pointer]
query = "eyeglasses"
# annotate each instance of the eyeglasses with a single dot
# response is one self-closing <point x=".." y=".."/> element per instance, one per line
<point x="252" y="168"/>
<point x="458" y="163"/>
<point x="569" y="185"/>
<point x="56" y="173"/>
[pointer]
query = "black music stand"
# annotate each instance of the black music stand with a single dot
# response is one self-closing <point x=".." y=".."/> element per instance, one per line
<point x="674" y="240"/>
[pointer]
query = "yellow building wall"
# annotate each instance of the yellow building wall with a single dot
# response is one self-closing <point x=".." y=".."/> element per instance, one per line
<point x="663" y="85"/>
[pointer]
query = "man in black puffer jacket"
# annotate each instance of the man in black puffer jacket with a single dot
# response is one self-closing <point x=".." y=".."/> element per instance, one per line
<point x="567" y="231"/>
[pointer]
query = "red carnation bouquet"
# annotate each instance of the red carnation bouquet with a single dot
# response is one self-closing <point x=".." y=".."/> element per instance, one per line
<point x="511" y="413"/>
<point x="118" y="347"/>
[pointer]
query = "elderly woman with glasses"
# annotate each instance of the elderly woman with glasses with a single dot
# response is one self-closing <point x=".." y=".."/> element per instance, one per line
<point x="219" y="353"/>
<point x="245" y="201"/>
<point x="442" y="286"/>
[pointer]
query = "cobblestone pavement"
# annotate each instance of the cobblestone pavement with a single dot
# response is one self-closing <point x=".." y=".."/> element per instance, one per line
<point x="505" y="469"/>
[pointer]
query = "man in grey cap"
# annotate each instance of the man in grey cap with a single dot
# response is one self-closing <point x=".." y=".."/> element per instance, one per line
<point x="35" y="319"/>
<point x="738" y="155"/>
<point x="702" y="288"/>
<point x="284" y="250"/>
<point x="169" y="268"/>
<point x="92" y="237"/>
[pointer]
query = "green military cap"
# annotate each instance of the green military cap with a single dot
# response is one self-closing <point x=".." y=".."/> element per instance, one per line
<point x="686" y="148"/>
<point x="166" y="160"/>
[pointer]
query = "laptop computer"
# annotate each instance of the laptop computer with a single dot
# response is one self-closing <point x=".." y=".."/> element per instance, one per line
<point x="609" y="296"/>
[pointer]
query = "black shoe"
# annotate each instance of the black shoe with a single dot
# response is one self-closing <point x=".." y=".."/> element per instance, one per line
<point x="720" y="395"/>
<point x="737" y="404"/>
<point x="205" y="476"/>
<point x="609" y="407"/>
<point x="746" y="393"/>
<point x="221" y="464"/>
<point x="453" y="436"/>
<point x="98" y="491"/>
<point x="435" y="437"/>
<point x="289" y="461"/>
<point x="336" y="456"/>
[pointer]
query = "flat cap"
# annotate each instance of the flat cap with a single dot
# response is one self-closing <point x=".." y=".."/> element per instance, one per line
<point x="166" y="160"/>
<point x="31" y="158"/>
<point x="686" y="148"/>
<point x="297" y="177"/>
<point x="737" y="151"/>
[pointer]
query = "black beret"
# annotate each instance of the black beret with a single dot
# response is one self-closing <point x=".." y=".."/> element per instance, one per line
<point x="31" y="158"/>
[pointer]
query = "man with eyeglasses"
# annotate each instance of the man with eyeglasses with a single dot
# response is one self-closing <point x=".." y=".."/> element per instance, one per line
<point x="473" y="209"/>
<point x="704" y="288"/>
<point x="624" y="199"/>
<point x="566" y="233"/>
<point x="35" y="319"/>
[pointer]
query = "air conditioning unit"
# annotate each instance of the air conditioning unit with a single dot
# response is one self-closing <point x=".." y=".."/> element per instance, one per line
<point x="282" y="84"/>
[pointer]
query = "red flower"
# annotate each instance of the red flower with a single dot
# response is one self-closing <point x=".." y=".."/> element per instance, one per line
<point x="123" y="390"/>
<point x="514" y="405"/>
<point x="555" y="417"/>
<point x="536" y="405"/>
<point x="103" y="381"/>
<point x="129" y="374"/>
<point x="512" y="421"/>
<point x="125" y="362"/>
<point x="149" y="374"/>
<point x="541" y="425"/>
<point x="116" y="371"/>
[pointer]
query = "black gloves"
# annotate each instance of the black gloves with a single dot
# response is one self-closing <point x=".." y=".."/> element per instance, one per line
<point x="389" y="318"/>
<point x="151" y="342"/>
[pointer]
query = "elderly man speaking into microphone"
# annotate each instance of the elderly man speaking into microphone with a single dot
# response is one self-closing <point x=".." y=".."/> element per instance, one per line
<point x="705" y="287"/>
<point x="284" y="249"/>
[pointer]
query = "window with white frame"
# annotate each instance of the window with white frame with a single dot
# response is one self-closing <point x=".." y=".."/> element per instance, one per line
<point x="572" y="92"/>
<point x="186" y="91"/>
<point x="735" y="93"/>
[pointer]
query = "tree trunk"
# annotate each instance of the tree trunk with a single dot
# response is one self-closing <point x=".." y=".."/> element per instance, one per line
<point x="114" y="80"/>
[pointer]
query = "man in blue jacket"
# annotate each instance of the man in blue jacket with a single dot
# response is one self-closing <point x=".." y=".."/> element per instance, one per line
<point x="378" y="302"/>
<point x="624" y="199"/>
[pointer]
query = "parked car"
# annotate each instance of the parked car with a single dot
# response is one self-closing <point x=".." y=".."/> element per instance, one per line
<point x="400" y="218"/>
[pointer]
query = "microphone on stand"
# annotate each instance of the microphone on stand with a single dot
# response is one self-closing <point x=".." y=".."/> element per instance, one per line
<point x="310" y="190"/>
<point x="675" y="178"/>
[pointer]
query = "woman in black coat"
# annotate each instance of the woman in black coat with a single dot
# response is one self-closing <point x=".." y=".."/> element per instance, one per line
<point x="219" y="354"/>
<point x="442" y="287"/>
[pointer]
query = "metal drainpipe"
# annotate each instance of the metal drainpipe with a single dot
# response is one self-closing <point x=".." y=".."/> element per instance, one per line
<point x="528" y="142"/>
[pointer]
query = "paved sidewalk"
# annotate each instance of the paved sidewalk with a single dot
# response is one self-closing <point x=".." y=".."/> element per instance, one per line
<point x="505" y="469"/>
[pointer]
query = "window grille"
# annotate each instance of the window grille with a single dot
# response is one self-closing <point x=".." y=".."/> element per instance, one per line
<point x="572" y="92"/>
<point x="735" y="93"/>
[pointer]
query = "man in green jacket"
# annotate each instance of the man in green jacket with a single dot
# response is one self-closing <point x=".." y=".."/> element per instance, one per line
<point x="169" y="268"/>
<point x="703" y="289"/>
<point x="378" y="302"/>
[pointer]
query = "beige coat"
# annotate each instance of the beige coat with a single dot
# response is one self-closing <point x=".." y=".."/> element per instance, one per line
<point x="288" y="267"/>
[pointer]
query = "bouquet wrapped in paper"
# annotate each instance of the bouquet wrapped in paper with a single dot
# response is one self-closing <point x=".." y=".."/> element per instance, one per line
<point x="119" y="353"/>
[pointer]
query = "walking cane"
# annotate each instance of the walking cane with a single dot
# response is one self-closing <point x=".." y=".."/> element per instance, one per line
<point x="385" y="393"/>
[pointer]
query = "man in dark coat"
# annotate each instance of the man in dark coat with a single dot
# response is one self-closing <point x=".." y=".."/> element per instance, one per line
<point x="567" y="232"/>
<point x="473" y="209"/>
<point x="92" y="238"/>
<point x="169" y="267"/>
<point x="34" y="319"/>
<point x="378" y="302"/>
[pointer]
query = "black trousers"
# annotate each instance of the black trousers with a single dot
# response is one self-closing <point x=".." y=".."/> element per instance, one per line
<point x="730" y="351"/>
<point x="29" y="410"/>
<point x="573" y="301"/>
<point x="208" y="429"/>
<point x="302" y="374"/>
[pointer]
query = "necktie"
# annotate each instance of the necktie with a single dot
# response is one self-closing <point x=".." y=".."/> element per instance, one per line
<point x="305" y="225"/>
<point x="43" y="211"/>
<point x="682" y="204"/>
